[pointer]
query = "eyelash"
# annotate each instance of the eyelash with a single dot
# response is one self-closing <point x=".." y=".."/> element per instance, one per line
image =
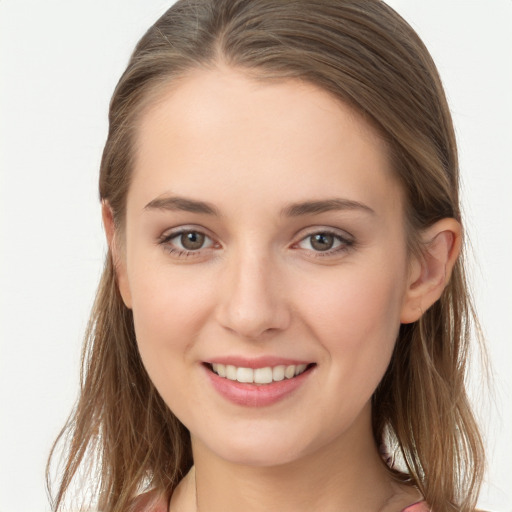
<point x="346" y="243"/>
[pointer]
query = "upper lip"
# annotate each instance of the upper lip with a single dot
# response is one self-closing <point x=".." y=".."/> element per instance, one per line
<point x="256" y="362"/>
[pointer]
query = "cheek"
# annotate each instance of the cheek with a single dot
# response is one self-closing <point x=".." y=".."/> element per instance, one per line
<point x="356" y="316"/>
<point x="169" y="311"/>
<point x="356" y="319"/>
<point x="169" y="308"/>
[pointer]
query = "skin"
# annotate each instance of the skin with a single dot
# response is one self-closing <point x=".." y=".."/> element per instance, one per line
<point x="259" y="287"/>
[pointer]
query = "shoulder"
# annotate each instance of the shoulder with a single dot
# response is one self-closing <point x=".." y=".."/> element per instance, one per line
<point x="152" y="501"/>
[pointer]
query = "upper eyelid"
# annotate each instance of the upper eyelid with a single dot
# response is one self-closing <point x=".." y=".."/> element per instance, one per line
<point x="306" y="232"/>
<point x="178" y="230"/>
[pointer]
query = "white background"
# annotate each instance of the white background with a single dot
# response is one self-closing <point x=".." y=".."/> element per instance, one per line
<point x="59" y="62"/>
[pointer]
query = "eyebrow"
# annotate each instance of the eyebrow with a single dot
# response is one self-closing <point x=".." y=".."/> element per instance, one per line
<point x="177" y="203"/>
<point x="182" y="203"/>
<point x="327" y="205"/>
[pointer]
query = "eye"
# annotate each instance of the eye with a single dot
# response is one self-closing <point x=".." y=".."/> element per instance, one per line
<point x="325" y="242"/>
<point x="191" y="240"/>
<point x="186" y="241"/>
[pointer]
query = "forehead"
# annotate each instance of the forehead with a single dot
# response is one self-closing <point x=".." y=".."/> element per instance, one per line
<point x="218" y="131"/>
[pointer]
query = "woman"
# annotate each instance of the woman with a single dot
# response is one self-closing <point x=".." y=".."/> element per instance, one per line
<point x="283" y="319"/>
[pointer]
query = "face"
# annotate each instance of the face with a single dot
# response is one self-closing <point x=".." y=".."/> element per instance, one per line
<point x="264" y="258"/>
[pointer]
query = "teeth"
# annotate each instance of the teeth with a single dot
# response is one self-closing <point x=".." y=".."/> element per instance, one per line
<point x="245" y="375"/>
<point x="278" y="373"/>
<point x="230" y="372"/>
<point x="300" y="368"/>
<point x="264" y="375"/>
<point x="289" y="372"/>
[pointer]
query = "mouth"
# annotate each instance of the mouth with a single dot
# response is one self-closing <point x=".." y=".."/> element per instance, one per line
<point x="259" y="376"/>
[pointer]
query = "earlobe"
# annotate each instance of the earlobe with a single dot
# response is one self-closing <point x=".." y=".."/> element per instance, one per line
<point x="431" y="270"/>
<point x="118" y="259"/>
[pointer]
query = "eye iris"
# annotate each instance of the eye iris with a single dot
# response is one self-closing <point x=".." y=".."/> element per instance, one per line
<point x="192" y="240"/>
<point x="322" y="242"/>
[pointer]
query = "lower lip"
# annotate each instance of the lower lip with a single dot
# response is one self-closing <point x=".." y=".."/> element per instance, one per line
<point x="254" y="395"/>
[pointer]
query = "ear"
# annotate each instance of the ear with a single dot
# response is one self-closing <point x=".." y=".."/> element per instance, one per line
<point x="431" y="271"/>
<point x="116" y="253"/>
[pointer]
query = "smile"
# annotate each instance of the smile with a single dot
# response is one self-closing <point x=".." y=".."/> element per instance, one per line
<point x="257" y="383"/>
<point x="265" y="375"/>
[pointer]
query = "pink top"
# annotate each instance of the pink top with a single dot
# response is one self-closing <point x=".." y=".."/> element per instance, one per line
<point x="421" y="506"/>
<point x="146" y="503"/>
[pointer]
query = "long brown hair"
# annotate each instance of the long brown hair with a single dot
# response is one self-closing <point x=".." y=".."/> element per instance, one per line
<point x="366" y="55"/>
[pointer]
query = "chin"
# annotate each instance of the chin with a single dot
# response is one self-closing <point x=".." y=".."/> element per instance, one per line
<point x="258" y="457"/>
<point x="259" y="449"/>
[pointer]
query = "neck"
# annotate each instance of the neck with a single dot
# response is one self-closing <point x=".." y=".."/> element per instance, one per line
<point x="345" y="475"/>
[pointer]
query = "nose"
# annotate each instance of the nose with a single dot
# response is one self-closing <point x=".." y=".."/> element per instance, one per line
<point x="252" y="297"/>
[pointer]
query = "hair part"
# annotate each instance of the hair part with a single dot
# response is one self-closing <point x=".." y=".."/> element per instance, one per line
<point x="364" y="54"/>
